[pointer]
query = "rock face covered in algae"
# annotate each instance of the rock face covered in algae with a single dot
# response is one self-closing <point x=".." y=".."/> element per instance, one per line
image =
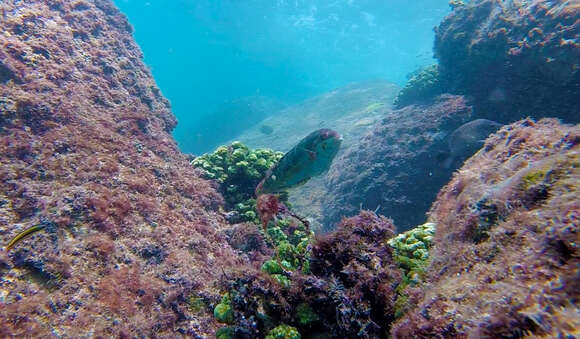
<point x="85" y="149"/>
<point x="506" y="258"/>
<point x="423" y="86"/>
<point x="514" y="58"/>
<point x="130" y="243"/>
<point x="395" y="167"/>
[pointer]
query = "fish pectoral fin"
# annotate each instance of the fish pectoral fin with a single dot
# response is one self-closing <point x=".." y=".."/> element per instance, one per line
<point x="311" y="154"/>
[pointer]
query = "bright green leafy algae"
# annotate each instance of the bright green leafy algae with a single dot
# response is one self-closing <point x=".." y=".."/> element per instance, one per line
<point x="291" y="249"/>
<point x="283" y="332"/>
<point x="223" y="311"/>
<point x="412" y="250"/>
<point x="238" y="169"/>
<point x="225" y="333"/>
<point x="412" y="255"/>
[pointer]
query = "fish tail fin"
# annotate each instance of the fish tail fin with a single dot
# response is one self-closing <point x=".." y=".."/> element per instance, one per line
<point x="445" y="159"/>
<point x="448" y="162"/>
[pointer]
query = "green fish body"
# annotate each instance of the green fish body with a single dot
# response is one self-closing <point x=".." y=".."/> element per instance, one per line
<point x="311" y="157"/>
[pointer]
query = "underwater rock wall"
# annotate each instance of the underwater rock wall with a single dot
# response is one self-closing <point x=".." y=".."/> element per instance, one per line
<point x="395" y="167"/>
<point x="129" y="233"/>
<point x="506" y="258"/>
<point x="513" y="58"/>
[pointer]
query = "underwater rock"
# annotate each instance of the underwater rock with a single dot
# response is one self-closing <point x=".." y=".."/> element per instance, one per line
<point x="85" y="146"/>
<point x="514" y="58"/>
<point x="394" y="168"/>
<point x="339" y="109"/>
<point x="505" y="258"/>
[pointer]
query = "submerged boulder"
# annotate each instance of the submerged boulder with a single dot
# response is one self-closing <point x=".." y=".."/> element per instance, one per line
<point x="513" y="58"/>
<point x="396" y="167"/>
<point x="505" y="259"/>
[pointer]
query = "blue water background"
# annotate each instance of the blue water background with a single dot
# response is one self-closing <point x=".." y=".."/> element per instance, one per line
<point x="206" y="54"/>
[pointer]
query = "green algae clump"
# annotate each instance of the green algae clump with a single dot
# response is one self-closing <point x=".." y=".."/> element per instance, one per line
<point x="225" y="333"/>
<point x="290" y="242"/>
<point x="283" y="332"/>
<point x="223" y="311"/>
<point x="412" y="256"/>
<point x="423" y="85"/>
<point x="272" y="267"/>
<point x="412" y="250"/>
<point x="238" y="169"/>
<point x="306" y="315"/>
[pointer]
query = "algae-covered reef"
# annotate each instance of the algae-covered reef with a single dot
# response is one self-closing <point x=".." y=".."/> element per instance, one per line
<point x="108" y="231"/>
<point x="345" y="288"/>
<point x="498" y="257"/>
<point x="513" y="58"/>
<point x="505" y="259"/>
<point x="130" y="233"/>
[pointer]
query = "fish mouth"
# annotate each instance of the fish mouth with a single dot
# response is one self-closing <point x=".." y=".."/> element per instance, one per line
<point x="326" y="133"/>
<point x="335" y="135"/>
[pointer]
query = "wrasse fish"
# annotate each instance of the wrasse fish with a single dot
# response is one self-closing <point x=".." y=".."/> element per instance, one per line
<point x="312" y="156"/>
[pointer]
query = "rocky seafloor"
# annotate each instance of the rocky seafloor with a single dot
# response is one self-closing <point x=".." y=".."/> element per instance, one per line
<point x="129" y="240"/>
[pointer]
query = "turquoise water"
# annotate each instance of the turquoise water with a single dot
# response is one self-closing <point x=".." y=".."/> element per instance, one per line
<point x="224" y="65"/>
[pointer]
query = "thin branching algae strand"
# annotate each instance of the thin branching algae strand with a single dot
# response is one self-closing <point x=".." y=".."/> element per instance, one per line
<point x="27" y="232"/>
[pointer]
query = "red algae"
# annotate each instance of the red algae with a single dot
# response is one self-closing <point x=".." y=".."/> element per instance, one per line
<point x="85" y="145"/>
<point x="505" y="260"/>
